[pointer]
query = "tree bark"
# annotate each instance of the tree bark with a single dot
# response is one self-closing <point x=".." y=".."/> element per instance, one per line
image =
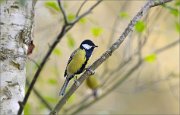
<point x="15" y="35"/>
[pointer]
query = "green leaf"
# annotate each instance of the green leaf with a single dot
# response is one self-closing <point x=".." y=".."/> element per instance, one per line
<point x="123" y="15"/>
<point x="96" y="31"/>
<point x="71" y="17"/>
<point x="150" y="58"/>
<point x="83" y="20"/>
<point x="57" y="52"/>
<point x="53" y="5"/>
<point x="140" y="26"/>
<point x="52" y="81"/>
<point x="177" y="26"/>
<point x="70" y="41"/>
<point x="174" y="11"/>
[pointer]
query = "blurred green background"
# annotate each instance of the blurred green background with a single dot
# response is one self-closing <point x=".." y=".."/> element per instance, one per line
<point x="152" y="89"/>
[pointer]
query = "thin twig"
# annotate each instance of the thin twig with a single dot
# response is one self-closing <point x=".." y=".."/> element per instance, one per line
<point x="34" y="62"/>
<point x="85" y="13"/>
<point x="77" y="14"/>
<point x="63" y="12"/>
<point x="168" y="46"/>
<point x="108" y="53"/>
<point x="157" y="51"/>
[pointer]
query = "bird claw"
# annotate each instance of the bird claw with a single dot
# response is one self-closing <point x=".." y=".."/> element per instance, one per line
<point x="90" y="70"/>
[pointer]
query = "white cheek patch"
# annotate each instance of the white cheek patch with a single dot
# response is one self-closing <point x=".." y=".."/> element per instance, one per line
<point x="86" y="46"/>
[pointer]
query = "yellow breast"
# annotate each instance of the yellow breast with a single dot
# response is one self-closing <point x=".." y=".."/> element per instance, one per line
<point x="77" y="62"/>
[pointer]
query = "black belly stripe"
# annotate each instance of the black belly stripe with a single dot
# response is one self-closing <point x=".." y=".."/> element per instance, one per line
<point x="88" y="55"/>
<point x="82" y="67"/>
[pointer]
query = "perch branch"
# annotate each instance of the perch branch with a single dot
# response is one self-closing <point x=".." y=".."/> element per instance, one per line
<point x="107" y="54"/>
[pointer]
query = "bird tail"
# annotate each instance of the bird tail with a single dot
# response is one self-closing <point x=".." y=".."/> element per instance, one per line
<point x="63" y="89"/>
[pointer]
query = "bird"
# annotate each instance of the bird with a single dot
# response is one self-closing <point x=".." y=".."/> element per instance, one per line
<point x="77" y="62"/>
<point x="93" y="83"/>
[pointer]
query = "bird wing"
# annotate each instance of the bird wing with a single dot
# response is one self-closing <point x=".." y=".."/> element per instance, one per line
<point x="65" y="73"/>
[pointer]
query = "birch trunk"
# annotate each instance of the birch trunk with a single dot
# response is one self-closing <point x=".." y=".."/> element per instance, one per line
<point x="15" y="31"/>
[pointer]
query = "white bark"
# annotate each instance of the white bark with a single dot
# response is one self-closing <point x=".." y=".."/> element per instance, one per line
<point x="15" y="30"/>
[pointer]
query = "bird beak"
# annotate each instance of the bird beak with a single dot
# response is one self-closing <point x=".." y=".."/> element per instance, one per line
<point x="95" y="46"/>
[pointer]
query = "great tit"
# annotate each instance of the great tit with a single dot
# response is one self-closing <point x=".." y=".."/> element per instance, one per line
<point x="77" y="62"/>
<point x="93" y="83"/>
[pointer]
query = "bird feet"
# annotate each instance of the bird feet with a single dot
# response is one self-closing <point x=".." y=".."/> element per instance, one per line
<point x="76" y="81"/>
<point x="90" y="70"/>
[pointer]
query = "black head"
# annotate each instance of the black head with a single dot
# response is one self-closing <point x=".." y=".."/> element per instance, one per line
<point x="87" y="45"/>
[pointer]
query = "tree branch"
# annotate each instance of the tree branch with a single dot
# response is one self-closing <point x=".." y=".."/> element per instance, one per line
<point x="63" y="12"/>
<point x="80" y="8"/>
<point x="108" y="53"/>
<point x="85" y="13"/>
<point x="168" y="46"/>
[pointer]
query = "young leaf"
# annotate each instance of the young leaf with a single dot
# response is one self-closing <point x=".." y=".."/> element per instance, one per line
<point x="83" y="20"/>
<point x="70" y="41"/>
<point x="71" y="17"/>
<point x="123" y="15"/>
<point x="53" y="5"/>
<point x="140" y="26"/>
<point x="150" y="58"/>
<point x="52" y="81"/>
<point x="57" y="52"/>
<point x="174" y="11"/>
<point x="96" y="31"/>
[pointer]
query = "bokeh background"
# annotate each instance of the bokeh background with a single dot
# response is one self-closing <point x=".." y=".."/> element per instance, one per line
<point x="153" y="88"/>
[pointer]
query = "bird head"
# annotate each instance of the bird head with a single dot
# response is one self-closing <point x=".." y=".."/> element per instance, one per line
<point x="88" y="45"/>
